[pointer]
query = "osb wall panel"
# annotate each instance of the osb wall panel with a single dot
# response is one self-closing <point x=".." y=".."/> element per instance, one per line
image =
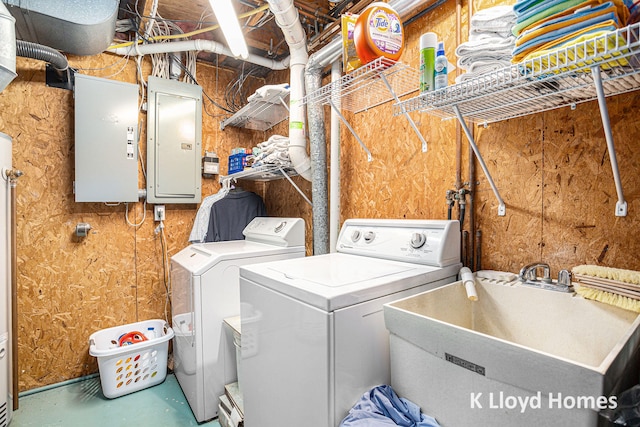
<point x="553" y="172"/>
<point x="68" y="287"/>
<point x="573" y="220"/>
<point x="401" y="181"/>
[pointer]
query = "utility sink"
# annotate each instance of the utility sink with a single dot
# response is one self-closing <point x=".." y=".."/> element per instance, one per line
<point x="518" y="355"/>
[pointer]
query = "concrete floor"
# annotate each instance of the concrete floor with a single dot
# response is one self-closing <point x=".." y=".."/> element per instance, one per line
<point x="82" y="404"/>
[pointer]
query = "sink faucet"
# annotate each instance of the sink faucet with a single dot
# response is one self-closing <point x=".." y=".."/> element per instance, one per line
<point x="529" y="276"/>
<point x="529" y="273"/>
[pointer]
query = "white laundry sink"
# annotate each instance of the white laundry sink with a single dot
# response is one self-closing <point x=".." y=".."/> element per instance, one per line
<point x="556" y="357"/>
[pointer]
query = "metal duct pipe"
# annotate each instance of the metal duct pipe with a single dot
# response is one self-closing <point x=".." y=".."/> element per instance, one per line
<point x="7" y="47"/>
<point x="315" y="114"/>
<point x="198" y="45"/>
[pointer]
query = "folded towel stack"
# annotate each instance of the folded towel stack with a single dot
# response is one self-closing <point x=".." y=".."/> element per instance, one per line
<point x="542" y="26"/>
<point x="490" y="42"/>
<point x="274" y="151"/>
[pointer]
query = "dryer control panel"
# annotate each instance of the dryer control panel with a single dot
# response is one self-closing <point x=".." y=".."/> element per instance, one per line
<point x="276" y="231"/>
<point x="428" y="242"/>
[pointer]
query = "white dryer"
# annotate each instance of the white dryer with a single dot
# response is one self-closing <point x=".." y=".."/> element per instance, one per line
<point x="313" y="332"/>
<point x="205" y="291"/>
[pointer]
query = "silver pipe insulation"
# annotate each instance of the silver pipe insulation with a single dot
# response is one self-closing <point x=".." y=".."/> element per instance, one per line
<point x="318" y="154"/>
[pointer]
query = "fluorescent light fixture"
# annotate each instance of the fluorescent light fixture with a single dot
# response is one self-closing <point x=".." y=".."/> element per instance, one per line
<point x="228" y="21"/>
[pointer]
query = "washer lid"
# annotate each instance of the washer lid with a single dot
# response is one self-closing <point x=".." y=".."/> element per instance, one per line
<point x="341" y="271"/>
<point x="337" y="280"/>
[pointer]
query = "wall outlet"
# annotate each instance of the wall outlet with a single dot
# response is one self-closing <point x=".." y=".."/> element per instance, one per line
<point x="158" y="213"/>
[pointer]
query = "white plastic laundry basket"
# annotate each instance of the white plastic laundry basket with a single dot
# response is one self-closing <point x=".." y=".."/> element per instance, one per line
<point x="130" y="368"/>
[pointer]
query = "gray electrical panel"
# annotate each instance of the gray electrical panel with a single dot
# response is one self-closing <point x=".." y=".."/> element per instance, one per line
<point x="174" y="141"/>
<point x="106" y="140"/>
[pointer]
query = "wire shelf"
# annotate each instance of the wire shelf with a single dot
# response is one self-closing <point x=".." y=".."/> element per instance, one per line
<point x="261" y="173"/>
<point x="364" y="88"/>
<point x="262" y="113"/>
<point x="556" y="79"/>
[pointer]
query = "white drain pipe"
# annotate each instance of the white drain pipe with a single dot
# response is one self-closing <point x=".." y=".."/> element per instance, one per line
<point x="287" y="18"/>
<point x="334" y="179"/>
<point x="197" y="45"/>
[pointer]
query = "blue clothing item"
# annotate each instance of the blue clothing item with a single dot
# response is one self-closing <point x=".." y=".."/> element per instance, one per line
<point x="381" y="406"/>
<point x="561" y="32"/>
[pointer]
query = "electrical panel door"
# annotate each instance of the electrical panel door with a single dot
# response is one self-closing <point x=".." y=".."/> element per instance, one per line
<point x="106" y="140"/>
<point x="174" y="141"/>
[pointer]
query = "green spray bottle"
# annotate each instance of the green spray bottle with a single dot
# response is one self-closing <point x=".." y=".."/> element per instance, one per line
<point x="428" y="43"/>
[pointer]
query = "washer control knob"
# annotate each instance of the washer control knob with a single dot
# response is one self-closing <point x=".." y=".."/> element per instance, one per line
<point x="280" y="226"/>
<point x="369" y="236"/>
<point x="418" y="240"/>
<point x="355" y="236"/>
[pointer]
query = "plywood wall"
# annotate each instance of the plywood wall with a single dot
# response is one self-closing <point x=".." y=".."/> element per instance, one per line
<point x="552" y="171"/>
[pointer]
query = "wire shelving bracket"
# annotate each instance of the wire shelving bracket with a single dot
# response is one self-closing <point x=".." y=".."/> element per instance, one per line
<point x="602" y="66"/>
<point x="373" y="84"/>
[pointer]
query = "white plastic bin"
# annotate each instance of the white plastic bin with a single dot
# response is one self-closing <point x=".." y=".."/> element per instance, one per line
<point x="130" y="368"/>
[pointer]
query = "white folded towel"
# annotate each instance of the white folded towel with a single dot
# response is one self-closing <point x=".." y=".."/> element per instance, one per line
<point x="488" y="66"/>
<point x="496" y="19"/>
<point x="467" y="62"/>
<point x="488" y="43"/>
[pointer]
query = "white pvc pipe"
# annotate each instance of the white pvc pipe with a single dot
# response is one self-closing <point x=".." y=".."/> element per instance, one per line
<point x="198" y="45"/>
<point x="334" y="178"/>
<point x="286" y="16"/>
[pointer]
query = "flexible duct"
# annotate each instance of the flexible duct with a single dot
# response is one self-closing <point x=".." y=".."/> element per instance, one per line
<point x="197" y="45"/>
<point x="7" y="47"/>
<point x="43" y="53"/>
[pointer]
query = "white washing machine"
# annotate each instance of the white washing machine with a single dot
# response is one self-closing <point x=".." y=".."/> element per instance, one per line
<point x="313" y="332"/>
<point x="205" y="291"/>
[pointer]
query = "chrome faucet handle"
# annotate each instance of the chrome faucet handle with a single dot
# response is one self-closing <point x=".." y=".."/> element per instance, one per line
<point x="529" y="273"/>
<point x="564" y="278"/>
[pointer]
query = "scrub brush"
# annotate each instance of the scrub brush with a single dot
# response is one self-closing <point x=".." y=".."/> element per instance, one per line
<point x="613" y="286"/>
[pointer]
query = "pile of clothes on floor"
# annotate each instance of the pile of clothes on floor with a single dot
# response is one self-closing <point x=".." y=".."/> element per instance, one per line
<point x="545" y="26"/>
<point x="490" y="42"/>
